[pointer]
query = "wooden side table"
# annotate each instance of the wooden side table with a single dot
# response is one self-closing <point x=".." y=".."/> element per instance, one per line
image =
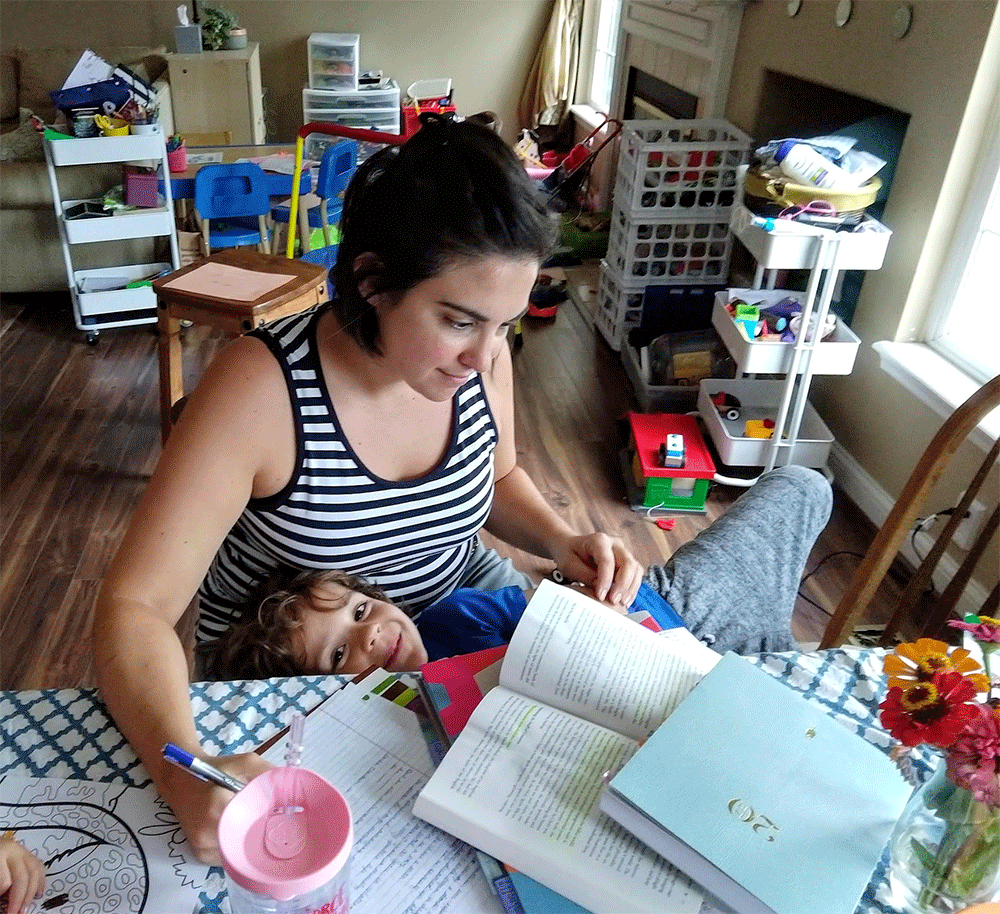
<point x="306" y="289"/>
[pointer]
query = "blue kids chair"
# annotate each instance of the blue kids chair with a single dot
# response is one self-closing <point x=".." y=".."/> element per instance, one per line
<point x="224" y="197"/>
<point x="322" y="208"/>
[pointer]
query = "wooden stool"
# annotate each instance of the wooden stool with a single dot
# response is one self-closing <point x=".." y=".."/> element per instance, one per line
<point x="306" y="290"/>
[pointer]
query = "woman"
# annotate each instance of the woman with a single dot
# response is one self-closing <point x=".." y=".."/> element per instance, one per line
<point x="375" y="435"/>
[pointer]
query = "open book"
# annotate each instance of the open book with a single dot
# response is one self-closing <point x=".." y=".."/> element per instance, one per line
<point x="580" y="686"/>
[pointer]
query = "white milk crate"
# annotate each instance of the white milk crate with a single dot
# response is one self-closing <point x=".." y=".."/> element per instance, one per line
<point x="619" y="306"/>
<point x="673" y="251"/>
<point x="680" y="168"/>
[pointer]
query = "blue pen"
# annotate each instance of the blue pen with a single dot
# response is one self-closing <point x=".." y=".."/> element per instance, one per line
<point x="200" y="769"/>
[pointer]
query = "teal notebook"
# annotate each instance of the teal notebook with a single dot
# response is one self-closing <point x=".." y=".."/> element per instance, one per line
<point x="763" y="798"/>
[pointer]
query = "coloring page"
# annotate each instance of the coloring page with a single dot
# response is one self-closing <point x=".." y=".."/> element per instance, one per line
<point x="106" y="847"/>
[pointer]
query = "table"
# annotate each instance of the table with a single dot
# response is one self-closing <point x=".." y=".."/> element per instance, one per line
<point x="306" y="289"/>
<point x="66" y="733"/>
<point x="182" y="183"/>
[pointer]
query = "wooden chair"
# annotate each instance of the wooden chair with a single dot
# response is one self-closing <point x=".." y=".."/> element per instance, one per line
<point x="219" y="138"/>
<point x="232" y="202"/>
<point x="880" y="555"/>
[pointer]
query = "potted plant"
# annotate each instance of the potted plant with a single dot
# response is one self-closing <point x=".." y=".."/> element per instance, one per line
<point x="220" y="30"/>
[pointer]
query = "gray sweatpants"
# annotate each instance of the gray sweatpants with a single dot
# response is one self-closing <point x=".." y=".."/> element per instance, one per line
<point x="736" y="582"/>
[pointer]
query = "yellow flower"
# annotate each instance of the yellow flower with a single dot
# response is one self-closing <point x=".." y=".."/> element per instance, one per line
<point x="918" y="661"/>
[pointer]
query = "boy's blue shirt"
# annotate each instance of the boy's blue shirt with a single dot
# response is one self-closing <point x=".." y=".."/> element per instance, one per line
<point x="472" y="620"/>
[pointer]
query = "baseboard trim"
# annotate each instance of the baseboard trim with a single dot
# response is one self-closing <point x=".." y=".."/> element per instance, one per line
<point x="875" y="503"/>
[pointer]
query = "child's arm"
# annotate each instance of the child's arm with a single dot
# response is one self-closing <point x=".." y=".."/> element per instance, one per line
<point x="22" y="876"/>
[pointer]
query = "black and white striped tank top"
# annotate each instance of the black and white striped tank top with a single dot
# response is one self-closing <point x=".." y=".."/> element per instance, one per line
<point x="411" y="538"/>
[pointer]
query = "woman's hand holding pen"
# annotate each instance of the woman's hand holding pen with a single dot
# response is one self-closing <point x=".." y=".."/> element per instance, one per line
<point x="198" y="804"/>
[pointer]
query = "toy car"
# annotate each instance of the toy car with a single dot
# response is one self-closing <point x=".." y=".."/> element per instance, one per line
<point x="728" y="406"/>
<point x="672" y="452"/>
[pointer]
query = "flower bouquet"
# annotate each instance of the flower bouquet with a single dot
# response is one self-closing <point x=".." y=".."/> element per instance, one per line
<point x="945" y="849"/>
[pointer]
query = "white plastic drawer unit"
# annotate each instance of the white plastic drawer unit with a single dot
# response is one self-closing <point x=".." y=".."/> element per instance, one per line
<point x="333" y="60"/>
<point x="380" y="118"/>
<point x="382" y="95"/>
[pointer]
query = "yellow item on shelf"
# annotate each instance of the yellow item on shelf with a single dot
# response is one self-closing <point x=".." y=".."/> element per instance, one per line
<point x="111" y="126"/>
<point x="758" y="428"/>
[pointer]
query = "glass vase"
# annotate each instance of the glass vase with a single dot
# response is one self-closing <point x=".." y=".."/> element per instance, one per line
<point x="945" y="849"/>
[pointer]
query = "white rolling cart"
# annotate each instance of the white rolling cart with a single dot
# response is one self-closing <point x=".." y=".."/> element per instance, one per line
<point x="102" y="297"/>
<point x="799" y="435"/>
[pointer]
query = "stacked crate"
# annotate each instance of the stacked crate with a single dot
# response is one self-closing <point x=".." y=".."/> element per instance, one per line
<point x="335" y="95"/>
<point x="674" y="194"/>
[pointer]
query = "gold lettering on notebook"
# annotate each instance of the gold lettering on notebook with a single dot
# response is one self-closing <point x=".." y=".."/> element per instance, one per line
<point x="761" y="824"/>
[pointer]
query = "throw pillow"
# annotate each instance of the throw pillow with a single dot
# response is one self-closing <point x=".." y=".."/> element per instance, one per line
<point x="23" y="144"/>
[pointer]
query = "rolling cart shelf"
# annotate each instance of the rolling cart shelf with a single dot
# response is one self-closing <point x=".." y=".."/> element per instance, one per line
<point x="100" y="296"/>
<point x="799" y="435"/>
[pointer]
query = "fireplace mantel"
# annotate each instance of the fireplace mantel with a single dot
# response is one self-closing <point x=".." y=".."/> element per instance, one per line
<point x="685" y="43"/>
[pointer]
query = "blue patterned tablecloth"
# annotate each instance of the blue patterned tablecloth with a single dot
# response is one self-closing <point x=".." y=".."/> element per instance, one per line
<point x="66" y="733"/>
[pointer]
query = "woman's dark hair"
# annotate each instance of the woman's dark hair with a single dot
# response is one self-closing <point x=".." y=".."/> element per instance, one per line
<point x="262" y="643"/>
<point x="453" y="190"/>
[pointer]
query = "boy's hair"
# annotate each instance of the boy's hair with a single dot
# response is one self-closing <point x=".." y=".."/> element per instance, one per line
<point x="453" y="190"/>
<point x="262" y="643"/>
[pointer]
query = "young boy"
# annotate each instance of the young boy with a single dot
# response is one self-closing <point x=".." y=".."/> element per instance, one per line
<point x="734" y="586"/>
<point x="322" y="621"/>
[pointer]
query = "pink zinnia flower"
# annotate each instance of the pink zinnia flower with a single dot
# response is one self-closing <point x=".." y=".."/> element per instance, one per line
<point x="974" y="757"/>
<point x="984" y="629"/>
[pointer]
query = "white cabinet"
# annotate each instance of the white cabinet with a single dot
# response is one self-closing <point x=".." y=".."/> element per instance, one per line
<point x="799" y="435"/>
<point x="112" y="296"/>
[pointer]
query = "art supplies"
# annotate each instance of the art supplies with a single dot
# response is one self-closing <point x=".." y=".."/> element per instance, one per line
<point x="109" y="847"/>
<point x="200" y="769"/>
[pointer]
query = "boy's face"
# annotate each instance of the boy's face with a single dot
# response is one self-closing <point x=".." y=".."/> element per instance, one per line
<point x="343" y="631"/>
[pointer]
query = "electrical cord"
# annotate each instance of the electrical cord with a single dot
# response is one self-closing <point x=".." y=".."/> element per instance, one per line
<point x="816" y="568"/>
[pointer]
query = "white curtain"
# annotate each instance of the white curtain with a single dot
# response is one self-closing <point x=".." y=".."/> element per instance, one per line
<point x="552" y="78"/>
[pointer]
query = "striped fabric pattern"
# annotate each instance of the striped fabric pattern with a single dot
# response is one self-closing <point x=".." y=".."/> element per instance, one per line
<point x="411" y="538"/>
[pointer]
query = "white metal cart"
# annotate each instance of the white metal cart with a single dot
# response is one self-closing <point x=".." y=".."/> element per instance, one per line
<point x="109" y="297"/>
<point x="799" y="435"/>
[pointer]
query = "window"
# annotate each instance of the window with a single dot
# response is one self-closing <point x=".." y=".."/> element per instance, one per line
<point x="963" y="325"/>
<point x="605" y="46"/>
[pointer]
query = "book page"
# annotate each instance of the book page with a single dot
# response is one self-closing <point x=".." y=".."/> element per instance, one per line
<point x="373" y="752"/>
<point x="583" y="657"/>
<point x="522" y="783"/>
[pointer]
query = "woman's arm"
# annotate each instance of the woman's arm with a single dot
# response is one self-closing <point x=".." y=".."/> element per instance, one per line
<point x="224" y="448"/>
<point x="522" y="517"/>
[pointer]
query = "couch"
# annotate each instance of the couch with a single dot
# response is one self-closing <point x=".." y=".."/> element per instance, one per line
<point x="31" y="257"/>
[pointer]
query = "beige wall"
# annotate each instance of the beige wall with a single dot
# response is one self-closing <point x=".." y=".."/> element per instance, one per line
<point x="927" y="74"/>
<point x="485" y="46"/>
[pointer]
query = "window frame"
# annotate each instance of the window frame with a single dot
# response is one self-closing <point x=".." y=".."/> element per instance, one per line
<point x="588" y="53"/>
<point x="983" y="193"/>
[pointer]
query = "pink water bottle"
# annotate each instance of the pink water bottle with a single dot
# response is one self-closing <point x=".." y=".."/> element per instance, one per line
<point x="287" y="859"/>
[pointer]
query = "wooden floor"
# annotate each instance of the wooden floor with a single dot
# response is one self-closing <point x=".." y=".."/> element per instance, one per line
<point x="80" y="436"/>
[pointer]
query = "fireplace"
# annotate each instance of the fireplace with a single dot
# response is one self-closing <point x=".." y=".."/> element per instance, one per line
<point x="648" y="97"/>
<point x="794" y="107"/>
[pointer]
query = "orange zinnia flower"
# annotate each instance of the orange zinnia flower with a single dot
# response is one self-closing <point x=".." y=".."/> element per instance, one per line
<point x="918" y="661"/>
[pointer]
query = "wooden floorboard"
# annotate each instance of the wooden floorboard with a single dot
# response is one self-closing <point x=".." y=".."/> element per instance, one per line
<point x="79" y="436"/>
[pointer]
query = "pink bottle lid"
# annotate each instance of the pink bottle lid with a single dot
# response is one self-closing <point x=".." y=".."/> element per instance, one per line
<point x="326" y="818"/>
